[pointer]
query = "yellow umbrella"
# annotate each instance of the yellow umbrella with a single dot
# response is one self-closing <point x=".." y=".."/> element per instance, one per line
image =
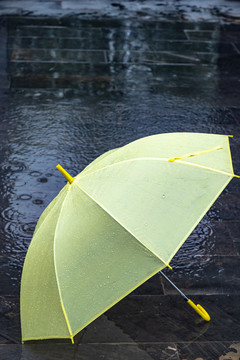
<point x="116" y="224"/>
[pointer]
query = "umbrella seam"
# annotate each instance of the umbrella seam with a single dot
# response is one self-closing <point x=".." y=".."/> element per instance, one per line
<point x="113" y="217"/>
<point x="157" y="159"/>
<point x="230" y="155"/>
<point x="57" y="280"/>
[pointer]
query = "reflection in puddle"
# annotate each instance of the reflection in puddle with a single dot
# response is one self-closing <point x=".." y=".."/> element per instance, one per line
<point x="233" y="354"/>
<point x="129" y="81"/>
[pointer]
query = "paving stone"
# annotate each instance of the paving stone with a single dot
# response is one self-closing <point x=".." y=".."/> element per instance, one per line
<point x="203" y="35"/>
<point x="84" y="56"/>
<point x="25" y="43"/>
<point x="204" y="274"/>
<point x="209" y="351"/>
<point x="93" y="22"/>
<point x="47" y="31"/>
<point x="16" y="21"/>
<point x="54" y="70"/>
<point x="77" y="81"/>
<point x="89" y="352"/>
<point x="4" y="79"/>
<point x="234" y="228"/>
<point x="236" y="114"/>
<point x="10" y="272"/>
<point x="184" y="46"/>
<point x="229" y="91"/>
<point x="147" y="320"/>
<point x="222" y="116"/>
<point x="93" y="43"/>
<point x="151" y="287"/>
<point x="207" y="58"/>
<point x="9" y="320"/>
<point x="141" y="317"/>
<point x="230" y="36"/>
<point x="226" y="48"/>
<point x="228" y="66"/>
<point x="210" y="238"/>
<point x="151" y="57"/>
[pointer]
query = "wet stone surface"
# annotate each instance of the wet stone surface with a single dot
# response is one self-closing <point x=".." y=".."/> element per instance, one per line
<point x="74" y="88"/>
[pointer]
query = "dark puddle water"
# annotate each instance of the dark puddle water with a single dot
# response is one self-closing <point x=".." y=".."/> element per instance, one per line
<point x="80" y="88"/>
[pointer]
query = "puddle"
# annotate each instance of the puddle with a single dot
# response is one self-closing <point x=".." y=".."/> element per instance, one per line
<point x="80" y="88"/>
<point x="127" y="81"/>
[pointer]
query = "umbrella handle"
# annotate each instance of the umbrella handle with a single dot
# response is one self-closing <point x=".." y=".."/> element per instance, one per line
<point x="200" y="310"/>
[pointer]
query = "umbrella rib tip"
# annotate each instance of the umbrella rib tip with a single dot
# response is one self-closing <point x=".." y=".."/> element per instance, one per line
<point x="65" y="173"/>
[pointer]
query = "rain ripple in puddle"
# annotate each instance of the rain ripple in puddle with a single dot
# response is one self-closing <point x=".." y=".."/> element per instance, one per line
<point x="16" y="233"/>
<point x="19" y="234"/>
<point x="198" y="241"/>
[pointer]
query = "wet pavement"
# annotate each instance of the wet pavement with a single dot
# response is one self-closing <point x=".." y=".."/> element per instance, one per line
<point x="76" y="85"/>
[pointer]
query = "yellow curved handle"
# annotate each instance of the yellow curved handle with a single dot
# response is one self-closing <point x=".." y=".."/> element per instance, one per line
<point x="200" y="310"/>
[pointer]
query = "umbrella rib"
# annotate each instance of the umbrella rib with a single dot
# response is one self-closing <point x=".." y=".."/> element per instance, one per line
<point x="54" y="258"/>
<point x="129" y="231"/>
<point x="206" y="168"/>
<point x="159" y="159"/>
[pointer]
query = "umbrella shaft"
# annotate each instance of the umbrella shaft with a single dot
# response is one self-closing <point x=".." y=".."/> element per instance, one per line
<point x="180" y="292"/>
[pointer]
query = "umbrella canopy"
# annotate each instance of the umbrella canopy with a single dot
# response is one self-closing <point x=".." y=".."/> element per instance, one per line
<point x="116" y="224"/>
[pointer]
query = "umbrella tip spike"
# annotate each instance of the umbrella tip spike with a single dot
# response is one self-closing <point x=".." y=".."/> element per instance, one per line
<point x="65" y="173"/>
